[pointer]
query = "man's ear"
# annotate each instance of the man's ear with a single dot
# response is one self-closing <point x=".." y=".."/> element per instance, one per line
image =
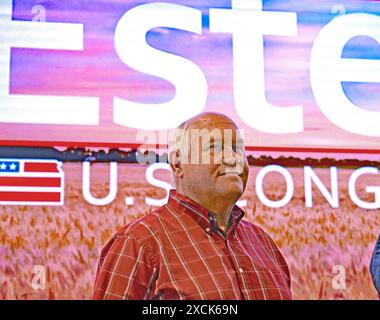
<point x="175" y="164"/>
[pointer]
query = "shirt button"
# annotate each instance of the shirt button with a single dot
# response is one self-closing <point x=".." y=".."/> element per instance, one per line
<point x="207" y="229"/>
<point x="241" y="270"/>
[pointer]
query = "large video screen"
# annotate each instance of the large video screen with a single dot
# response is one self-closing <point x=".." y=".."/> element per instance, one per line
<point x="89" y="88"/>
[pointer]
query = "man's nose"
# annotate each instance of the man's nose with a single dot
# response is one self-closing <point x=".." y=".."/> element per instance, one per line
<point x="231" y="161"/>
<point x="229" y="157"/>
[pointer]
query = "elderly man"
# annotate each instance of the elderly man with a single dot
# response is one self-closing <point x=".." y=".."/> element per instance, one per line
<point x="197" y="246"/>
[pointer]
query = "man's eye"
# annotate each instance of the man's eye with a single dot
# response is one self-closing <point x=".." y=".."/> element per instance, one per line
<point x="217" y="147"/>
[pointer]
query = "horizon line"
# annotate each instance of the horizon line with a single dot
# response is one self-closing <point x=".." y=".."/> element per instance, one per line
<point x="112" y="145"/>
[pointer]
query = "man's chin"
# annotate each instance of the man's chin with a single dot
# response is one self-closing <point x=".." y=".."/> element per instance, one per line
<point x="230" y="190"/>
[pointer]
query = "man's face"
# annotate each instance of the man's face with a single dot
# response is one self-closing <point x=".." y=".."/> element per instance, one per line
<point x="216" y="165"/>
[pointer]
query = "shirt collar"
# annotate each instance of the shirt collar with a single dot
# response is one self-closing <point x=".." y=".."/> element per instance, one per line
<point x="205" y="218"/>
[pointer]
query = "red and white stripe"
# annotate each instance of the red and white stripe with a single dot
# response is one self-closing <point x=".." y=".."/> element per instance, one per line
<point x="39" y="182"/>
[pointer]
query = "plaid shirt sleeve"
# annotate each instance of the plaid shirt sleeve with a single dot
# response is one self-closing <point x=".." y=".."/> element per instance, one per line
<point x="126" y="270"/>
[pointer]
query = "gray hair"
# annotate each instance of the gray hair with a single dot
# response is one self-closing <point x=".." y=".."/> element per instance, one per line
<point x="179" y="140"/>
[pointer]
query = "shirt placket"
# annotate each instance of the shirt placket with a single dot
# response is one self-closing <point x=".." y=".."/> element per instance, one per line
<point x="240" y="272"/>
<point x="228" y="241"/>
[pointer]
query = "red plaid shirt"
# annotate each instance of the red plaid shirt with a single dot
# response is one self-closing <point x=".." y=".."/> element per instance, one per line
<point x="179" y="252"/>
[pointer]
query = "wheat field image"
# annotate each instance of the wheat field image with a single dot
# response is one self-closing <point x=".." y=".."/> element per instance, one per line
<point x="66" y="240"/>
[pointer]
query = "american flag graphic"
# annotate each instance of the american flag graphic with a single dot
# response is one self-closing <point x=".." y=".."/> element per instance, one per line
<point x="31" y="182"/>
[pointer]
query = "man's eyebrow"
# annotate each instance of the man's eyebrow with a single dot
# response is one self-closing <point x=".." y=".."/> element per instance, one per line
<point x="212" y="139"/>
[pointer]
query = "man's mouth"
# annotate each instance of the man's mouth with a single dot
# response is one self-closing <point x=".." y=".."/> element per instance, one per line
<point x="230" y="173"/>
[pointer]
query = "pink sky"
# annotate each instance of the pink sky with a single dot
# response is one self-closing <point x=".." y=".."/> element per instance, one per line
<point x="98" y="71"/>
